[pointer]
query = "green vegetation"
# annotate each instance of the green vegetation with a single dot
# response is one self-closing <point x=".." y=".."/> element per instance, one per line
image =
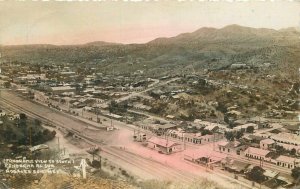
<point x="230" y="136"/>
<point x="257" y="174"/>
<point x="7" y="84"/>
<point x="250" y="129"/>
<point x="24" y="131"/>
<point x="114" y="107"/>
<point x="296" y="174"/>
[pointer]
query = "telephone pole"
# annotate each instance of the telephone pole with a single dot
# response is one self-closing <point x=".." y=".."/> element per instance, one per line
<point x="30" y="137"/>
<point x="58" y="144"/>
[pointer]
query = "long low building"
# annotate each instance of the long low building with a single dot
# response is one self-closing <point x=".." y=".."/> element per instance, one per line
<point x="288" y="162"/>
<point x="286" y="138"/>
<point x="62" y="89"/>
<point x="195" y="138"/>
<point x="204" y="156"/>
<point x="256" y="153"/>
<point x="163" y="145"/>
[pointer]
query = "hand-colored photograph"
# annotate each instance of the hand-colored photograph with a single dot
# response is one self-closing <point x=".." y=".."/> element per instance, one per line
<point x="150" y="94"/>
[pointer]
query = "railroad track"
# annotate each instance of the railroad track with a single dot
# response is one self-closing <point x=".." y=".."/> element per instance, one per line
<point x="155" y="169"/>
<point x="134" y="160"/>
<point x="152" y="166"/>
<point x="35" y="115"/>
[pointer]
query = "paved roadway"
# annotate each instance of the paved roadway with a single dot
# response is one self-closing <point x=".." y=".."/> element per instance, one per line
<point x="146" y="90"/>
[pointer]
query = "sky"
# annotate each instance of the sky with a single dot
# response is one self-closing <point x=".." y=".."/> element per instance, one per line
<point x="63" y="23"/>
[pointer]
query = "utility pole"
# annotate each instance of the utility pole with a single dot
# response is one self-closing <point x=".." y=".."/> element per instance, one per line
<point x="68" y="106"/>
<point x="30" y="137"/>
<point x="184" y="145"/>
<point x="214" y="142"/>
<point x="58" y="144"/>
<point x="97" y="112"/>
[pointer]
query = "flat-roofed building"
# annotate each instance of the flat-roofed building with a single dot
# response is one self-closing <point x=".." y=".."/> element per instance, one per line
<point x="267" y="144"/>
<point x="233" y="147"/>
<point x="286" y="138"/>
<point x="256" y="153"/>
<point x="288" y="162"/>
<point x="204" y="156"/>
<point x="164" y="145"/>
<point x="62" y="89"/>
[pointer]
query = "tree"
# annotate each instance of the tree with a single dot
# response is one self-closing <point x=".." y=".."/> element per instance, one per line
<point x="7" y="84"/>
<point x="296" y="174"/>
<point x="23" y="120"/>
<point x="206" y="132"/>
<point x="239" y="134"/>
<point x="257" y="174"/>
<point x="112" y="106"/>
<point x="279" y="149"/>
<point x="37" y="122"/>
<point x="293" y="151"/>
<point x="229" y="136"/>
<point x="23" y="116"/>
<point x="250" y="129"/>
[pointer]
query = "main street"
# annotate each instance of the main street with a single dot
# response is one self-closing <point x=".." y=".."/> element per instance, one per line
<point x="182" y="173"/>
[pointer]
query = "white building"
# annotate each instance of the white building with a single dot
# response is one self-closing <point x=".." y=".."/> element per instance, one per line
<point x="163" y="145"/>
<point x="256" y="153"/>
<point x="267" y="144"/>
<point x="288" y="162"/>
<point x="286" y="138"/>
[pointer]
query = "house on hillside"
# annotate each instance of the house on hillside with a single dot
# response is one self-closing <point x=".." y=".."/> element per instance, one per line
<point x="239" y="66"/>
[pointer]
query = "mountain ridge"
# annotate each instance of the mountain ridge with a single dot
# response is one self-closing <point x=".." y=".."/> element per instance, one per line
<point x="205" y="48"/>
<point x="233" y="28"/>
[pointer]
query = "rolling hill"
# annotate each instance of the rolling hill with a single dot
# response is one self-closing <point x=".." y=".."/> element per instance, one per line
<point x="208" y="48"/>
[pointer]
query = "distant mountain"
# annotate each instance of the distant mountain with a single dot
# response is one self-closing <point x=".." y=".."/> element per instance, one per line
<point x="208" y="48"/>
<point x="234" y="33"/>
<point x="102" y="43"/>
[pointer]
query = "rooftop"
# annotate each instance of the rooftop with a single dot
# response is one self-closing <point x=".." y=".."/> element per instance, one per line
<point x="257" y="151"/>
<point x="268" y="141"/>
<point x="270" y="173"/>
<point x="196" y="154"/>
<point x="286" y="159"/>
<point x="162" y="142"/>
<point x="295" y="127"/>
<point x="287" y="137"/>
<point x="62" y="88"/>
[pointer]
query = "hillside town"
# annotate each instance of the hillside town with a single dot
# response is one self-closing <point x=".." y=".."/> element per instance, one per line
<point x="208" y="120"/>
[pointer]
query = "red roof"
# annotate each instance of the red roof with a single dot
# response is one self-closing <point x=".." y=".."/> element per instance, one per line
<point x="162" y="142"/>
